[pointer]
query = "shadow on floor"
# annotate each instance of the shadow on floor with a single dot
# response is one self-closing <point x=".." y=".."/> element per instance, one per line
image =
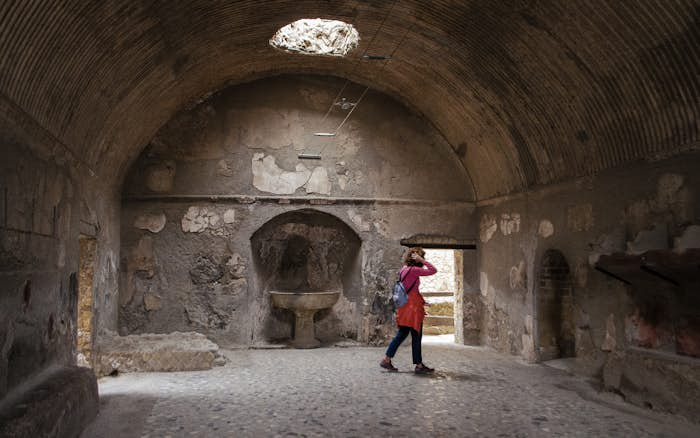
<point x="127" y="415"/>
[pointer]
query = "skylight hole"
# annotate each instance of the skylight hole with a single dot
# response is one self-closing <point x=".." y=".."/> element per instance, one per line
<point x="317" y="36"/>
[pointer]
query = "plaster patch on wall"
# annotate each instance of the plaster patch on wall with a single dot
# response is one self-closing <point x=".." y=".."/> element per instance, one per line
<point x="529" y="324"/>
<point x="229" y="216"/>
<point x="268" y="177"/>
<point x="198" y="219"/>
<point x="346" y="177"/>
<point x="318" y="182"/>
<point x="483" y="283"/>
<point x="528" y="351"/>
<point x="193" y="221"/>
<point x="151" y="222"/>
<point x="518" y="276"/>
<point x="510" y="223"/>
<point x="609" y="343"/>
<point x="647" y="240"/>
<point x="487" y="227"/>
<point x="343" y="174"/>
<point x="545" y="229"/>
<point x="358" y="220"/>
<point x="606" y="244"/>
<point x="141" y="263"/>
<point x="225" y="168"/>
<point x="580" y="217"/>
<point x="160" y="176"/>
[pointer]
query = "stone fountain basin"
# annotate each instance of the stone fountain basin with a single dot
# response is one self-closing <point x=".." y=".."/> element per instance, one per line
<point x="304" y="305"/>
<point x="304" y="300"/>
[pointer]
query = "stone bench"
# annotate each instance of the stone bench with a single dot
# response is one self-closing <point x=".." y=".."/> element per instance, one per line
<point x="189" y="351"/>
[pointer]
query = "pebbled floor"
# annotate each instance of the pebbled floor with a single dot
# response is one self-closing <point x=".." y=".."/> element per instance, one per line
<point x="343" y="392"/>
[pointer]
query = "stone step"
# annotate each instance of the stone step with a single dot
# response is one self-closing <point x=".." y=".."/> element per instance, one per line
<point x="438" y="330"/>
<point x="437" y="294"/>
<point x="438" y="320"/>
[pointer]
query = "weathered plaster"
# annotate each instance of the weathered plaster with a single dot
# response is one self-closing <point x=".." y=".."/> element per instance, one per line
<point x="545" y="228"/>
<point x="510" y="223"/>
<point x="487" y="227"/>
<point x="202" y="274"/>
<point x="656" y="213"/>
<point x="151" y="222"/>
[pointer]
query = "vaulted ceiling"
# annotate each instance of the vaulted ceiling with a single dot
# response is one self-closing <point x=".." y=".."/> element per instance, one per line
<point x="527" y="92"/>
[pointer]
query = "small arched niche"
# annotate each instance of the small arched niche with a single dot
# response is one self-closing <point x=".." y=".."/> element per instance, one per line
<point x="309" y="251"/>
<point x="555" y="329"/>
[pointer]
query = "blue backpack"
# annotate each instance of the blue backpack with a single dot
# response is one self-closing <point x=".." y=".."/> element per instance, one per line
<point x="400" y="294"/>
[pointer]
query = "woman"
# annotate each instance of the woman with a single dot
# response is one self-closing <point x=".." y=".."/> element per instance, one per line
<point x="410" y="316"/>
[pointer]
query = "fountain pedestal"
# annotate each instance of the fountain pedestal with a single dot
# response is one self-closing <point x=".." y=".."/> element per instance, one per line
<point x="304" y="305"/>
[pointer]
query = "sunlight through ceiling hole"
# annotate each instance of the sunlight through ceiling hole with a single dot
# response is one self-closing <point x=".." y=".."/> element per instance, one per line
<point x="316" y="36"/>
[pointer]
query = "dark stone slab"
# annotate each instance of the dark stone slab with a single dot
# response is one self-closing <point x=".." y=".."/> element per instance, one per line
<point x="58" y="403"/>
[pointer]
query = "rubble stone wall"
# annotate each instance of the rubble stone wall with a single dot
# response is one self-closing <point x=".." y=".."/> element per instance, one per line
<point x="620" y="212"/>
<point x="219" y="171"/>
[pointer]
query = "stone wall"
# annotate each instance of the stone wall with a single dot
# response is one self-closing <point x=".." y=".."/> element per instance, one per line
<point x="220" y="170"/>
<point x="38" y="250"/>
<point x="41" y="186"/>
<point x="523" y="287"/>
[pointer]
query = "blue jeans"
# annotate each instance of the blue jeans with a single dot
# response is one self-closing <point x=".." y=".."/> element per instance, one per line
<point x="415" y="343"/>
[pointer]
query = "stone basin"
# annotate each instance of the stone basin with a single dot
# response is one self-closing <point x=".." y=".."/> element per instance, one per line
<point x="304" y="305"/>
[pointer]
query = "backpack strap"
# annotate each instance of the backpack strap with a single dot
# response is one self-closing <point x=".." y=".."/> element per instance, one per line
<point x="401" y="279"/>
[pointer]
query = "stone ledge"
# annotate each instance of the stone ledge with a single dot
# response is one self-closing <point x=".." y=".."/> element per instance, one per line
<point x="188" y="351"/>
<point x="655" y="380"/>
<point x="285" y="199"/>
<point x="58" y="403"/>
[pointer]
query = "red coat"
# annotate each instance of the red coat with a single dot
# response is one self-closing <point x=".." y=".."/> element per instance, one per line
<point x="412" y="313"/>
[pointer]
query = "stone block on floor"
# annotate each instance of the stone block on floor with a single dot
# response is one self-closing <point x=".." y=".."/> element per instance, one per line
<point x="175" y="351"/>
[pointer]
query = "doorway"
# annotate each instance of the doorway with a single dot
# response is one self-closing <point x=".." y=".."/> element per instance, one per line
<point x="554" y="300"/>
<point x="86" y="298"/>
<point x="440" y="291"/>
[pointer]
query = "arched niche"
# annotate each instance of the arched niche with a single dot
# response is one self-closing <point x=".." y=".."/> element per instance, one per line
<point x="305" y="251"/>
<point x="554" y="300"/>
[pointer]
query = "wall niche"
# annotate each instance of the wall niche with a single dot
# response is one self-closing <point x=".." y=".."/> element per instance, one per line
<point x="309" y="251"/>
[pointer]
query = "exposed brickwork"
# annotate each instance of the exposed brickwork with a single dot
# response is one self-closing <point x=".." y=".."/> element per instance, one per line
<point x="614" y="81"/>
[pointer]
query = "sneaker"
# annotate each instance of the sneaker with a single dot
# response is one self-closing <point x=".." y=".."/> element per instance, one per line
<point x="386" y="364"/>
<point x="422" y="369"/>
